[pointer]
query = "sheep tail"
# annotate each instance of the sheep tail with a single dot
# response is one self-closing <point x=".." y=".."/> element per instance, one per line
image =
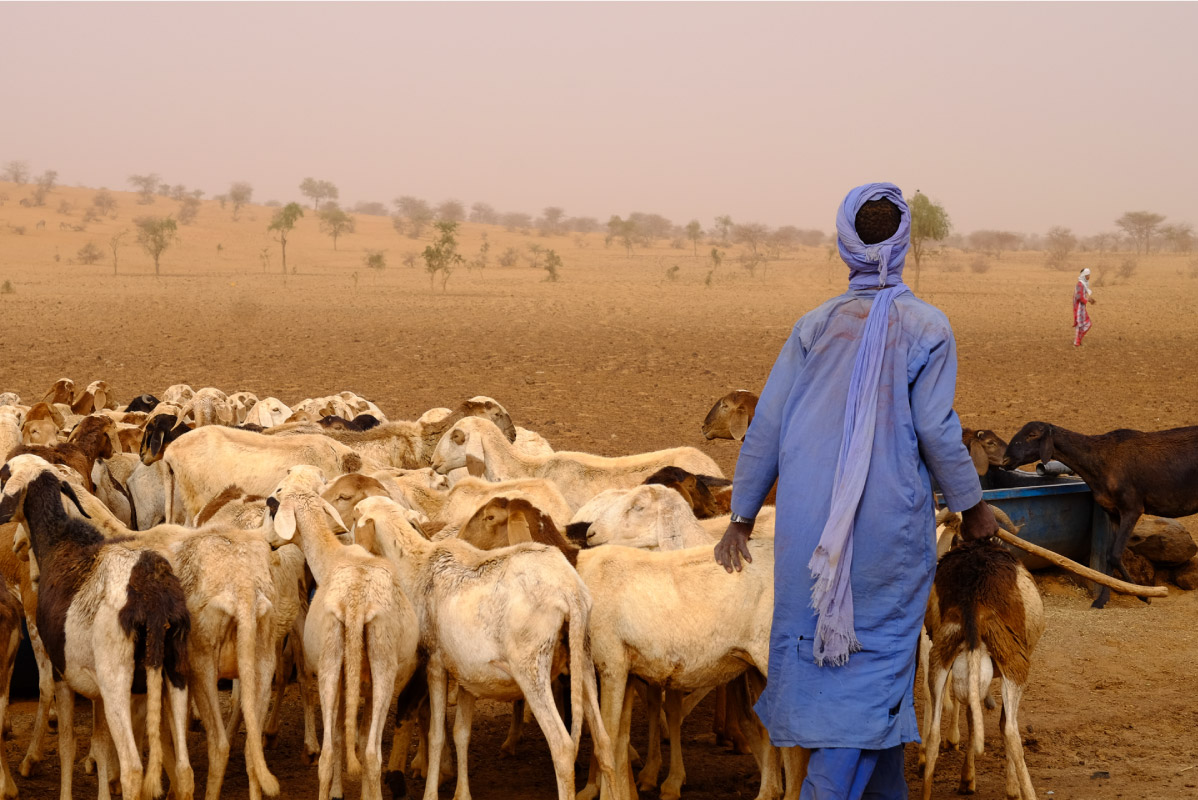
<point x="580" y="663"/>
<point x="151" y="784"/>
<point x="355" y="621"/>
<point x="247" y="672"/>
<point x="973" y="661"/>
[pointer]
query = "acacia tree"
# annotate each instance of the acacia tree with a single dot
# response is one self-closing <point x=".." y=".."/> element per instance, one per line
<point x="551" y="220"/>
<point x="415" y="212"/>
<point x="694" y="232"/>
<point x="16" y="172"/>
<point x="929" y="223"/>
<point x="1140" y="227"/>
<point x="553" y="262"/>
<point x="318" y="190"/>
<point x="1059" y="242"/>
<point x="146" y="185"/>
<point x="335" y="222"/>
<point x="115" y="244"/>
<point x="724" y="226"/>
<point x="442" y="255"/>
<point x="484" y="213"/>
<point x="451" y="211"/>
<point x="155" y="235"/>
<point x="282" y="223"/>
<point x="240" y="193"/>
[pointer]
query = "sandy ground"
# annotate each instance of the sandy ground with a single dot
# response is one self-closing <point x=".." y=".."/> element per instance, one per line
<point x="615" y="359"/>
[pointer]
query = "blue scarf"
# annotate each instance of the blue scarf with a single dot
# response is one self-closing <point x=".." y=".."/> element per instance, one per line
<point x="870" y="266"/>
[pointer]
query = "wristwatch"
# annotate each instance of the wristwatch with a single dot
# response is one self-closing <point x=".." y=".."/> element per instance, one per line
<point x="742" y="520"/>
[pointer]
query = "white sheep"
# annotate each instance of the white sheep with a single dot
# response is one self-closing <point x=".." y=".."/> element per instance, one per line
<point x="358" y="611"/>
<point x="654" y="617"/>
<point x="479" y="446"/>
<point x="493" y="621"/>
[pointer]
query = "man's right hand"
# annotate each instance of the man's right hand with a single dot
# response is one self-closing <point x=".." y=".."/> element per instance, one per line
<point x="978" y="523"/>
<point x="734" y="546"/>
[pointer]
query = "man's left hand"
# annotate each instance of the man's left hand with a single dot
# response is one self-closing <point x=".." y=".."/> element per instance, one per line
<point x="978" y="523"/>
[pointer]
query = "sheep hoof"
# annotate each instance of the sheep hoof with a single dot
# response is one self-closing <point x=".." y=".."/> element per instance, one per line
<point x="27" y="766"/>
<point x="310" y="757"/>
<point x="89" y="765"/>
<point x="965" y="788"/>
<point x="507" y="750"/>
<point x="395" y="781"/>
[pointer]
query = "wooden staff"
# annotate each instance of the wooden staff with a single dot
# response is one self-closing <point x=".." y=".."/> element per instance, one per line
<point x="1090" y="574"/>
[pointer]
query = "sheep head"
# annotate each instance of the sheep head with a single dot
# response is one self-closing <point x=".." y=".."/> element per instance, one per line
<point x="461" y="447"/>
<point x="1033" y="442"/>
<point x="63" y="391"/>
<point x="300" y="488"/>
<point x="730" y="417"/>
<point x="347" y="491"/>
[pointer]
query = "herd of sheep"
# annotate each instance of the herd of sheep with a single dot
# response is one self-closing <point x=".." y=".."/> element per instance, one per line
<point x="158" y="547"/>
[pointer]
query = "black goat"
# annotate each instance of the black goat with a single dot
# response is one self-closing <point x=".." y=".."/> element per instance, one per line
<point x="160" y="431"/>
<point x="362" y="422"/>
<point x="1131" y="473"/>
<point x="143" y="402"/>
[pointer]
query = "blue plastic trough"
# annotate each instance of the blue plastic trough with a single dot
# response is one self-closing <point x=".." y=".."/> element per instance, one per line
<point x="1057" y="513"/>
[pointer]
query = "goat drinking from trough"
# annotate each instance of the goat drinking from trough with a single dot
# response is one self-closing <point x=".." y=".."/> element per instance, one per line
<point x="1131" y="473"/>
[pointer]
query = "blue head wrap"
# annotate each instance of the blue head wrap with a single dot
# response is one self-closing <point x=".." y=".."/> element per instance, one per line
<point x="871" y="266"/>
<point x="878" y="264"/>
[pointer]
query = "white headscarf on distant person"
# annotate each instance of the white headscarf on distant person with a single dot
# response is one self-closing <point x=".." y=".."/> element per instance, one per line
<point x="1084" y="280"/>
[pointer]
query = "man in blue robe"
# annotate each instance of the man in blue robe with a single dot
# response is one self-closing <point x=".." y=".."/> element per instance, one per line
<point x="857" y="411"/>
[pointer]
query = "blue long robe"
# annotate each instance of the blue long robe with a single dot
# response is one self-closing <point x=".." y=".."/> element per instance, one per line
<point x="795" y="437"/>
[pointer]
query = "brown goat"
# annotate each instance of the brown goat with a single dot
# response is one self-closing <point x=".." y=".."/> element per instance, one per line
<point x="984" y="618"/>
<point x="731" y="416"/>
<point x="1131" y="473"/>
<point x="63" y="391"/>
<point x="985" y="448"/>
<point x="708" y="496"/>
<point x="44" y="410"/>
<point x="93" y="438"/>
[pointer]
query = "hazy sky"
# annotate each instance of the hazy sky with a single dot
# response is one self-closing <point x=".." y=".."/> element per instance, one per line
<point x="1018" y="116"/>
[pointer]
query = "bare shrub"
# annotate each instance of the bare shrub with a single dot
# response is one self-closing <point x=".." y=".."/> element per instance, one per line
<point x="7" y="288"/>
<point x="672" y="273"/>
<point x="89" y="254"/>
<point x="1127" y="269"/>
<point x="509" y="257"/>
<point x="979" y="266"/>
<point x="1192" y="268"/>
<point x="1060" y="243"/>
<point x="375" y="259"/>
<point x="553" y="263"/>
<point x="64" y="208"/>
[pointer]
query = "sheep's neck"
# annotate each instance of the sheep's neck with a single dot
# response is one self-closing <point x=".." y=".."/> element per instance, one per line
<point x="505" y="464"/>
<point x="1076" y="451"/>
<point x="317" y="541"/>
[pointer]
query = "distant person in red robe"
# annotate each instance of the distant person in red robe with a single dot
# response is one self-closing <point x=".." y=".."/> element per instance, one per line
<point x="1082" y="297"/>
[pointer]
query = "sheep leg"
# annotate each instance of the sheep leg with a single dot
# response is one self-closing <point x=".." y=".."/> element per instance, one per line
<point x="101" y="746"/>
<point x="1012" y="694"/>
<point x="436" y="728"/>
<point x="8" y="786"/>
<point x="328" y="678"/>
<point x="65" y="697"/>
<point x="768" y="757"/>
<point x="737" y="738"/>
<point x="626" y="778"/>
<point x="283" y="665"/>
<point x="794" y="763"/>
<point x="672" y="788"/>
<point x="719" y="720"/>
<point x="939" y="679"/>
<point x="264" y="666"/>
<point x="647" y="779"/>
<point x="204" y="695"/>
<point x="46" y="711"/>
<point x="307" y="689"/>
<point x="116" y="683"/>
<point x="538" y="693"/>
<point x="183" y="779"/>
<point x="614" y="684"/>
<point x="383" y="672"/>
<point x="925" y="694"/>
<point x="462" y="722"/>
<point x="515" y="728"/>
<point x="401" y="741"/>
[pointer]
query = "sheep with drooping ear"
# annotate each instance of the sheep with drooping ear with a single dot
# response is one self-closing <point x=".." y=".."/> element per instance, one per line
<point x="731" y="415"/>
<point x="358" y="611"/>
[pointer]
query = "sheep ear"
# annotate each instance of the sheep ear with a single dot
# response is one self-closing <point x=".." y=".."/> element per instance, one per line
<point x="981" y="461"/>
<point x="336" y="517"/>
<point x="472" y="531"/>
<point x="101" y="399"/>
<point x="66" y="489"/>
<point x="518" y="529"/>
<point x="476" y="463"/>
<point x="1046" y="450"/>
<point x="284" y="523"/>
<point x="738" y="426"/>
<point x="365" y="535"/>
